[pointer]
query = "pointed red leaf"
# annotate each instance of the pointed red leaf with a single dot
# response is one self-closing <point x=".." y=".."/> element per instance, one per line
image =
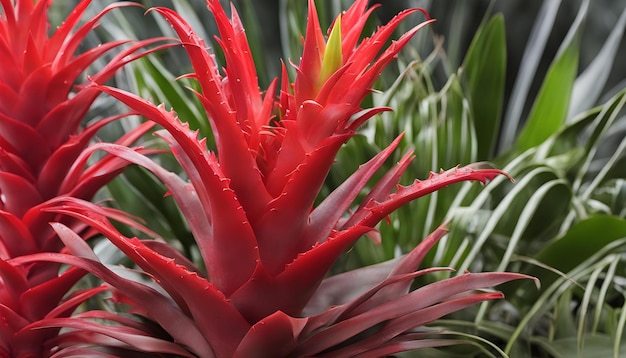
<point x="404" y="194"/>
<point x="15" y="236"/>
<point x="17" y="194"/>
<point x="156" y="306"/>
<point x="133" y="337"/>
<point x="325" y="216"/>
<point x="274" y="336"/>
<point x="280" y="230"/>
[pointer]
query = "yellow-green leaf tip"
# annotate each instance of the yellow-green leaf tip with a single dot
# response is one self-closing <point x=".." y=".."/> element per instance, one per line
<point x="333" y="57"/>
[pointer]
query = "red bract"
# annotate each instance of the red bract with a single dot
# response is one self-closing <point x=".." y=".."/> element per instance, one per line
<point x="41" y="138"/>
<point x="41" y="111"/>
<point x="265" y="245"/>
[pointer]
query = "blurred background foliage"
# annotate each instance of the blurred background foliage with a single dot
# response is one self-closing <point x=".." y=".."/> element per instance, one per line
<point x="536" y="88"/>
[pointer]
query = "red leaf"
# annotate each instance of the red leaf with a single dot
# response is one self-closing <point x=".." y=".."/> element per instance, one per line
<point x="156" y="306"/>
<point x="15" y="237"/>
<point x="274" y="336"/>
<point x="280" y="230"/>
<point x="325" y="216"/>
<point x="311" y="60"/>
<point x="21" y="136"/>
<point x="291" y="289"/>
<point x="404" y="194"/>
<point x="57" y="167"/>
<point x="18" y="195"/>
<point x="405" y="309"/>
<point x="133" y="337"/>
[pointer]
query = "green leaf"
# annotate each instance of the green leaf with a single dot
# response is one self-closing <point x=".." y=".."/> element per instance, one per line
<point x="589" y="85"/>
<point x="527" y="71"/>
<point x="549" y="111"/>
<point x="581" y="241"/>
<point x="600" y="345"/>
<point x="484" y="73"/>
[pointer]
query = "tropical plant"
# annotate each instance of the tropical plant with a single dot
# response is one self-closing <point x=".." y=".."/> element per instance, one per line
<point x="560" y="220"/>
<point x="265" y="245"/>
<point x="42" y="113"/>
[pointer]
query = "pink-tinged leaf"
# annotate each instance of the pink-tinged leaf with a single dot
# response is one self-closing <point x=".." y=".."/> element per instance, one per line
<point x="73" y="242"/>
<point x="122" y="320"/>
<point x="84" y="182"/>
<point x="207" y="305"/>
<point x="130" y="137"/>
<point x="154" y="305"/>
<point x="346" y="307"/>
<point x="72" y="205"/>
<point x="99" y="174"/>
<point x="345" y="287"/>
<point x="326" y="215"/>
<point x="395" y="327"/>
<point x="333" y="290"/>
<point x="183" y="193"/>
<point x="134" y="338"/>
<point x="74" y="352"/>
<point x="15" y="237"/>
<point x="18" y="195"/>
<point x="405" y="305"/>
<point x="411" y="261"/>
<point x="190" y="169"/>
<point x="274" y="336"/>
<point x="406" y="343"/>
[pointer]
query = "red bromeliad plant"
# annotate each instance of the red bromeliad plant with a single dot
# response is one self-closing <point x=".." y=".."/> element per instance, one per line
<point x="41" y="138"/>
<point x="265" y="245"/>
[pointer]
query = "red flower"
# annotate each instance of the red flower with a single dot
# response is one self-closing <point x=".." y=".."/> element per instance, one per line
<point x="250" y="206"/>
<point x="41" y="141"/>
